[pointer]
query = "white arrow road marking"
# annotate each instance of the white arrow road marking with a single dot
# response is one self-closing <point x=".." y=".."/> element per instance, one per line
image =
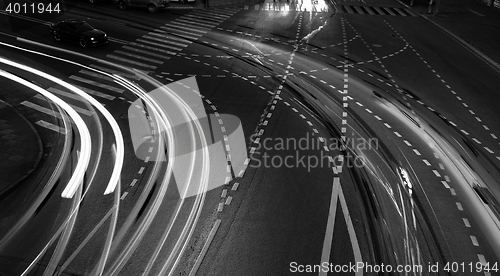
<point x="337" y="194"/>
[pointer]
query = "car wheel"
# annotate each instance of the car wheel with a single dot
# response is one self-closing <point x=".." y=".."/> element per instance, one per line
<point x="152" y="8"/>
<point x="122" y="5"/>
<point x="57" y="36"/>
<point x="83" y="42"/>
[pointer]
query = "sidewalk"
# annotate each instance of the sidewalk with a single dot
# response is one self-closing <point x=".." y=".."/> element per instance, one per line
<point x="470" y="22"/>
<point x="20" y="147"/>
<point x="199" y="4"/>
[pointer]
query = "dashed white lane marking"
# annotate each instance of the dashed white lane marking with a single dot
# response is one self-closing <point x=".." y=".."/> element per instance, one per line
<point x="452" y="91"/>
<point x="436" y="173"/>
<point x="345" y="91"/>
<point x="259" y="131"/>
<point x="474" y="240"/>
<point x="445" y="184"/>
<point x="134" y="181"/>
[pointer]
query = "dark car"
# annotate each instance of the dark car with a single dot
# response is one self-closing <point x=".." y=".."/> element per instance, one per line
<point x="151" y="5"/>
<point x="78" y="31"/>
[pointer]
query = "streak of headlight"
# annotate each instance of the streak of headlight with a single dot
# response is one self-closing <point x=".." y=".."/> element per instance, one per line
<point x="70" y="190"/>
<point x="163" y="120"/>
<point x="314" y="32"/>
<point x="201" y="190"/>
<point x="187" y="232"/>
<point x="83" y="161"/>
<point x="120" y="148"/>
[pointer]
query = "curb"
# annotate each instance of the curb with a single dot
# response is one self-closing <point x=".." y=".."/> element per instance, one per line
<point x="39" y="157"/>
<point x="464" y="43"/>
<point x="204" y="250"/>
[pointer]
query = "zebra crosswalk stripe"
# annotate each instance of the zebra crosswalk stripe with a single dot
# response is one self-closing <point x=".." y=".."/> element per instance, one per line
<point x="138" y="57"/>
<point x="389" y="11"/>
<point x="180" y="26"/>
<point x="76" y="108"/>
<point x="96" y="93"/>
<point x="152" y="48"/>
<point x="201" y="17"/>
<point x="50" y="126"/>
<point x="370" y="11"/>
<point x="349" y="9"/>
<point x="116" y="72"/>
<point x="182" y="33"/>
<point x="212" y="15"/>
<point x="95" y="75"/>
<point x="42" y="109"/>
<point x="175" y="39"/>
<point x="358" y="9"/>
<point x="410" y="12"/>
<point x="193" y="22"/>
<point x="65" y="94"/>
<point x="398" y="10"/>
<point x="167" y="42"/>
<point x="131" y="61"/>
<point x="98" y="84"/>
<point x="199" y="20"/>
<point x="146" y="52"/>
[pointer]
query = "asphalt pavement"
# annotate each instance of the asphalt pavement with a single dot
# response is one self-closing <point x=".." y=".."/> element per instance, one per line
<point x="470" y="22"/>
<point x="20" y="147"/>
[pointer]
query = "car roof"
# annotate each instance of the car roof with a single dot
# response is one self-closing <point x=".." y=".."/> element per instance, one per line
<point x="72" y="21"/>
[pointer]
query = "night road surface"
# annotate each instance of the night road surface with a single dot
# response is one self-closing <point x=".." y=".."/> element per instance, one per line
<point x="284" y="137"/>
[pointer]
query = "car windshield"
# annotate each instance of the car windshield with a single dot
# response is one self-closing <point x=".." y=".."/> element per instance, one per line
<point x="83" y="26"/>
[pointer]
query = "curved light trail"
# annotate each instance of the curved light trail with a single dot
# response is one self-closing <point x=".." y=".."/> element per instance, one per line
<point x="120" y="148"/>
<point x="85" y="149"/>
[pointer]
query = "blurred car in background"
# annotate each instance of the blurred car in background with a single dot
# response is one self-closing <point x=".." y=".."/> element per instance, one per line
<point x="151" y="5"/>
<point x="78" y="31"/>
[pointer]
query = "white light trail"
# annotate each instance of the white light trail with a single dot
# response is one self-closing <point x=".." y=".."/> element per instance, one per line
<point x="85" y="149"/>
<point x="70" y="189"/>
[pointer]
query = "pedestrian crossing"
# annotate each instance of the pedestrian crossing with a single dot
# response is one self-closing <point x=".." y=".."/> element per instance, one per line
<point x="144" y="54"/>
<point x="312" y="6"/>
<point x="353" y="9"/>
<point x="391" y="11"/>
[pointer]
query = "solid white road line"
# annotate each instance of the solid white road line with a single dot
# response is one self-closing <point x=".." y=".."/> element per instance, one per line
<point x="337" y="194"/>
<point x="352" y="233"/>
<point x="205" y="248"/>
<point x="327" y="244"/>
